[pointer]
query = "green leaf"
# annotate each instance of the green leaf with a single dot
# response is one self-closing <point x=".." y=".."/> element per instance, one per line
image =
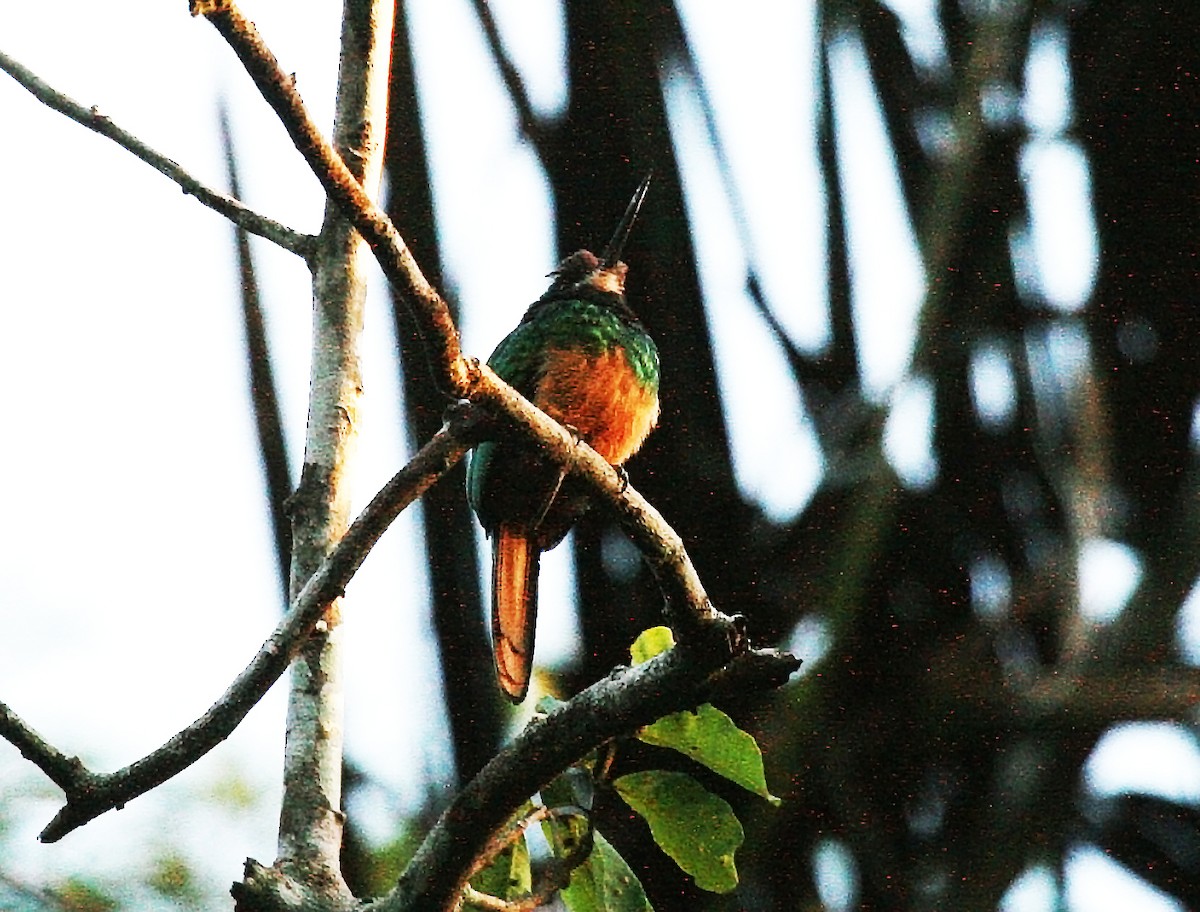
<point x="695" y="827"/>
<point x="508" y="875"/>
<point x="604" y="883"/>
<point x="711" y="738"/>
<point x="650" y="643"/>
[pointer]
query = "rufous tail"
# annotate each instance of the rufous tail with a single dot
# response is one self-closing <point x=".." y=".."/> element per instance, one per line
<point x="514" y="608"/>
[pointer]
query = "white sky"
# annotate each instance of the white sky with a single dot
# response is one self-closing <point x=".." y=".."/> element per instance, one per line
<point x="138" y="569"/>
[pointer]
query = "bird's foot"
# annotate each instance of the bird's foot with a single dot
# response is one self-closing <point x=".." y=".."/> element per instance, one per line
<point x="623" y="477"/>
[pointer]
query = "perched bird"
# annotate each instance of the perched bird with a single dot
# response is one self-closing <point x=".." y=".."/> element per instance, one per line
<point x="581" y="356"/>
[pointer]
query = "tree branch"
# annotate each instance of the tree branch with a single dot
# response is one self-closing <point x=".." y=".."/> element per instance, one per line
<point x="89" y="795"/>
<point x="242" y="216"/>
<point x="68" y="773"/>
<point x="268" y="419"/>
<point x="678" y="679"/>
<point x="310" y="819"/>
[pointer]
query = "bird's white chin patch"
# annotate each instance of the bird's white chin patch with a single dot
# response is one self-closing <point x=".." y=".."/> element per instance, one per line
<point x="610" y="280"/>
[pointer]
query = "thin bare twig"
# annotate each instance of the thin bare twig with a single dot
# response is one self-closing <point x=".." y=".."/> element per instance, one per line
<point x="508" y="836"/>
<point x="89" y="795"/>
<point x="551" y="878"/>
<point x="268" y="419"/>
<point x="68" y="773"/>
<point x="547" y="881"/>
<point x="241" y="215"/>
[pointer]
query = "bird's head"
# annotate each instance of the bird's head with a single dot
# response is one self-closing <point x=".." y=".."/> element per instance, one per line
<point x="583" y="269"/>
<point x="605" y="273"/>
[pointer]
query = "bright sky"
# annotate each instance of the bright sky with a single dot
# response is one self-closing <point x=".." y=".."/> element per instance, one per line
<point x="139" y="578"/>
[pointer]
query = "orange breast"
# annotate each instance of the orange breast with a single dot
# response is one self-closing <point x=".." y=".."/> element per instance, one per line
<point x="598" y="395"/>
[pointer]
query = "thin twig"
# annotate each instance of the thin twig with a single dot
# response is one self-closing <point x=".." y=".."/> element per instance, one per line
<point x="90" y="795"/>
<point x="551" y="878"/>
<point x="508" y="836"/>
<point x="241" y="215"/>
<point x="264" y="398"/>
<point x="68" y="773"/>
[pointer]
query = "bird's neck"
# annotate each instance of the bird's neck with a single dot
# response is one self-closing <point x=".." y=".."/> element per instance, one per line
<point x="613" y="301"/>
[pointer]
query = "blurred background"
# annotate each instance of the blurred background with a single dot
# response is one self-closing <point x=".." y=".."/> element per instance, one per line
<point x="922" y="275"/>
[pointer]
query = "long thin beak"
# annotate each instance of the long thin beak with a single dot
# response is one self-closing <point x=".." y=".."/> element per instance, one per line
<point x="612" y="253"/>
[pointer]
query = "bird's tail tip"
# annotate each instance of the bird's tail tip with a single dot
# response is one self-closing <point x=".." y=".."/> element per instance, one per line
<point x="514" y="609"/>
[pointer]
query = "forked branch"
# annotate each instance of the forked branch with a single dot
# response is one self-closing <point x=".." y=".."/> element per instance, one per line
<point x="90" y="117"/>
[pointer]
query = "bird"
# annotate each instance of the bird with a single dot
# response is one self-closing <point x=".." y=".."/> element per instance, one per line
<point x="582" y="356"/>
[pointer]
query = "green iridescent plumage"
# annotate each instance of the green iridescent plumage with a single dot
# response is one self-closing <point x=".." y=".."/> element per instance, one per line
<point x="521" y="359"/>
<point x="593" y="327"/>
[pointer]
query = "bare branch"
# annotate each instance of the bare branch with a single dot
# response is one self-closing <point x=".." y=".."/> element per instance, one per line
<point x="485" y="901"/>
<point x="508" y="836"/>
<point x="68" y="773"/>
<point x="268" y="420"/>
<point x="551" y="878"/>
<point x="90" y="117"/>
<point x="90" y="795"/>
<point x="310" y="817"/>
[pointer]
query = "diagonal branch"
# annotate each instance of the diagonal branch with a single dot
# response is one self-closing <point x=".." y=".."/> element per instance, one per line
<point x="268" y="420"/>
<point x="68" y="773"/>
<point x="241" y="215"/>
<point x="678" y="679"/>
<point x="89" y="794"/>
